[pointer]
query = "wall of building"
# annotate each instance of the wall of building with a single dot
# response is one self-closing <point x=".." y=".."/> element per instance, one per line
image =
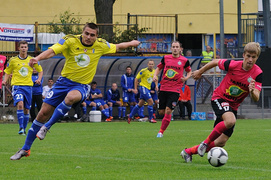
<point x="194" y="16"/>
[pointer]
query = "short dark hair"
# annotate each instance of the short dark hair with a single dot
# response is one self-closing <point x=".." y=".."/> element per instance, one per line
<point x="50" y="79"/>
<point x="128" y="67"/>
<point x="91" y="26"/>
<point x="181" y="45"/>
<point x="22" y="42"/>
<point x="93" y="82"/>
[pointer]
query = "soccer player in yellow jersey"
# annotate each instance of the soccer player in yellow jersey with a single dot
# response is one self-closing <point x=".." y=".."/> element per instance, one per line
<point x="22" y="83"/>
<point x="82" y="53"/>
<point x="146" y="76"/>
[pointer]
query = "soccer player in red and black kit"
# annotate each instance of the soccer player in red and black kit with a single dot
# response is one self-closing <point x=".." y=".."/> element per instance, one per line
<point x="171" y="83"/>
<point x="242" y="78"/>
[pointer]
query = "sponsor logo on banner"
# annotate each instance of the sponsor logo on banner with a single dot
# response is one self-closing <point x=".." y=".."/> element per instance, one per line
<point x="16" y="32"/>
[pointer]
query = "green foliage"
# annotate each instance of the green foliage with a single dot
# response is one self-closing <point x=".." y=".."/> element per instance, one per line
<point x="119" y="150"/>
<point x="67" y="23"/>
<point x="129" y="34"/>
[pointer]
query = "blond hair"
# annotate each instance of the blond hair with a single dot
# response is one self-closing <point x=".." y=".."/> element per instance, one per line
<point x="253" y="47"/>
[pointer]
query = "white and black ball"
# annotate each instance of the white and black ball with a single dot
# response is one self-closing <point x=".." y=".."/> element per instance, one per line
<point x="217" y="156"/>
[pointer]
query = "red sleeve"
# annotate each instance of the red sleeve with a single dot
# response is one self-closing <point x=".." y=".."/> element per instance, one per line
<point x="160" y="65"/>
<point x="221" y="64"/>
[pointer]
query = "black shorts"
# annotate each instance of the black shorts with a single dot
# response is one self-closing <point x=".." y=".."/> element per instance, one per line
<point x="167" y="99"/>
<point x="220" y="106"/>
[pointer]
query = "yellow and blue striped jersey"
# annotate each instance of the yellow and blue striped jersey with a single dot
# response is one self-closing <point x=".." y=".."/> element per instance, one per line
<point x="21" y="71"/>
<point x="81" y="61"/>
<point x="146" y="77"/>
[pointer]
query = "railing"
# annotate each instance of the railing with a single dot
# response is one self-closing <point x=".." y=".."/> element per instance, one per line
<point x="252" y="28"/>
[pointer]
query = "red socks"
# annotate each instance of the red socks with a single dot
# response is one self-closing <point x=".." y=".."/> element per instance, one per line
<point x="194" y="149"/>
<point x="165" y="123"/>
<point x="217" y="131"/>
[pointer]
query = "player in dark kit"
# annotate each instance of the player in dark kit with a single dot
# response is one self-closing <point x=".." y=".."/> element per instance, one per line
<point x="243" y="78"/>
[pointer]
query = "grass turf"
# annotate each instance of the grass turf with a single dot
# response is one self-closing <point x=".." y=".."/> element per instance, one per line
<point x="131" y="151"/>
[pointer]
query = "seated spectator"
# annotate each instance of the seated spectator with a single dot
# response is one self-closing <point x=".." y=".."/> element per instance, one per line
<point x="113" y="99"/>
<point x="46" y="89"/>
<point x="184" y="101"/>
<point x="96" y="96"/>
<point x="188" y="53"/>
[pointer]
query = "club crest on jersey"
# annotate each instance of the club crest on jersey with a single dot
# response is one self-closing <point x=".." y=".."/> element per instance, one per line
<point x="235" y="91"/>
<point x="171" y="73"/>
<point x="179" y="63"/>
<point x="82" y="60"/>
<point x="1" y="61"/>
<point x="93" y="51"/>
<point x="149" y="80"/>
<point x="23" y="71"/>
<point x="85" y="50"/>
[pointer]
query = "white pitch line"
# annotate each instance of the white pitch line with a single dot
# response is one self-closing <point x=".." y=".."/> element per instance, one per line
<point x="150" y="161"/>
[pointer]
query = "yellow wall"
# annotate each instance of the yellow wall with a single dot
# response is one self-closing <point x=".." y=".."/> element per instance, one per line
<point x="203" y="14"/>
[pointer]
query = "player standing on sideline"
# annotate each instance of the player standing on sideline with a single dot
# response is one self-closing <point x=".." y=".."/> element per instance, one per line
<point x="36" y="93"/>
<point x="242" y="78"/>
<point x="82" y="53"/>
<point x="171" y="83"/>
<point x="146" y="76"/>
<point x="154" y="97"/>
<point x="128" y="91"/>
<point x="21" y="82"/>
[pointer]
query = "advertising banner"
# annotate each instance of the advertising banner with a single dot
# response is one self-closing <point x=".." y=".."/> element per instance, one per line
<point x="16" y="32"/>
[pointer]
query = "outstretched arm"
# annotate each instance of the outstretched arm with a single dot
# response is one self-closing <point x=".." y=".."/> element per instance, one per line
<point x="44" y="55"/>
<point x="124" y="45"/>
<point x="197" y="74"/>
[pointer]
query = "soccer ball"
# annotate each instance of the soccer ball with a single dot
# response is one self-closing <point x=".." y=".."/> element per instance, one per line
<point x="217" y="156"/>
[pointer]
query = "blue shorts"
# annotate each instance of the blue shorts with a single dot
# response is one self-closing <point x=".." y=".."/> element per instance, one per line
<point x="128" y="97"/>
<point x="61" y="89"/>
<point x="22" y="93"/>
<point x="144" y="93"/>
<point x="99" y="102"/>
<point x="88" y="102"/>
<point x="154" y="97"/>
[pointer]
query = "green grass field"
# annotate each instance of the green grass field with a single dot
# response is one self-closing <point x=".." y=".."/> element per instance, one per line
<point x="119" y="150"/>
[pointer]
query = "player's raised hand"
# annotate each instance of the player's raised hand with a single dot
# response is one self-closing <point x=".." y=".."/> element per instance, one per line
<point x="32" y="62"/>
<point x="196" y="74"/>
<point x="251" y="85"/>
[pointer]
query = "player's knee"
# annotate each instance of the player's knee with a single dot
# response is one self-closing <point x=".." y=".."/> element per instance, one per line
<point x="20" y="105"/>
<point x="230" y="123"/>
<point x="161" y="112"/>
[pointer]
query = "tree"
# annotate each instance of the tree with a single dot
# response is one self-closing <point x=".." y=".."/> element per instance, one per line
<point x="104" y="15"/>
<point x="66" y="24"/>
